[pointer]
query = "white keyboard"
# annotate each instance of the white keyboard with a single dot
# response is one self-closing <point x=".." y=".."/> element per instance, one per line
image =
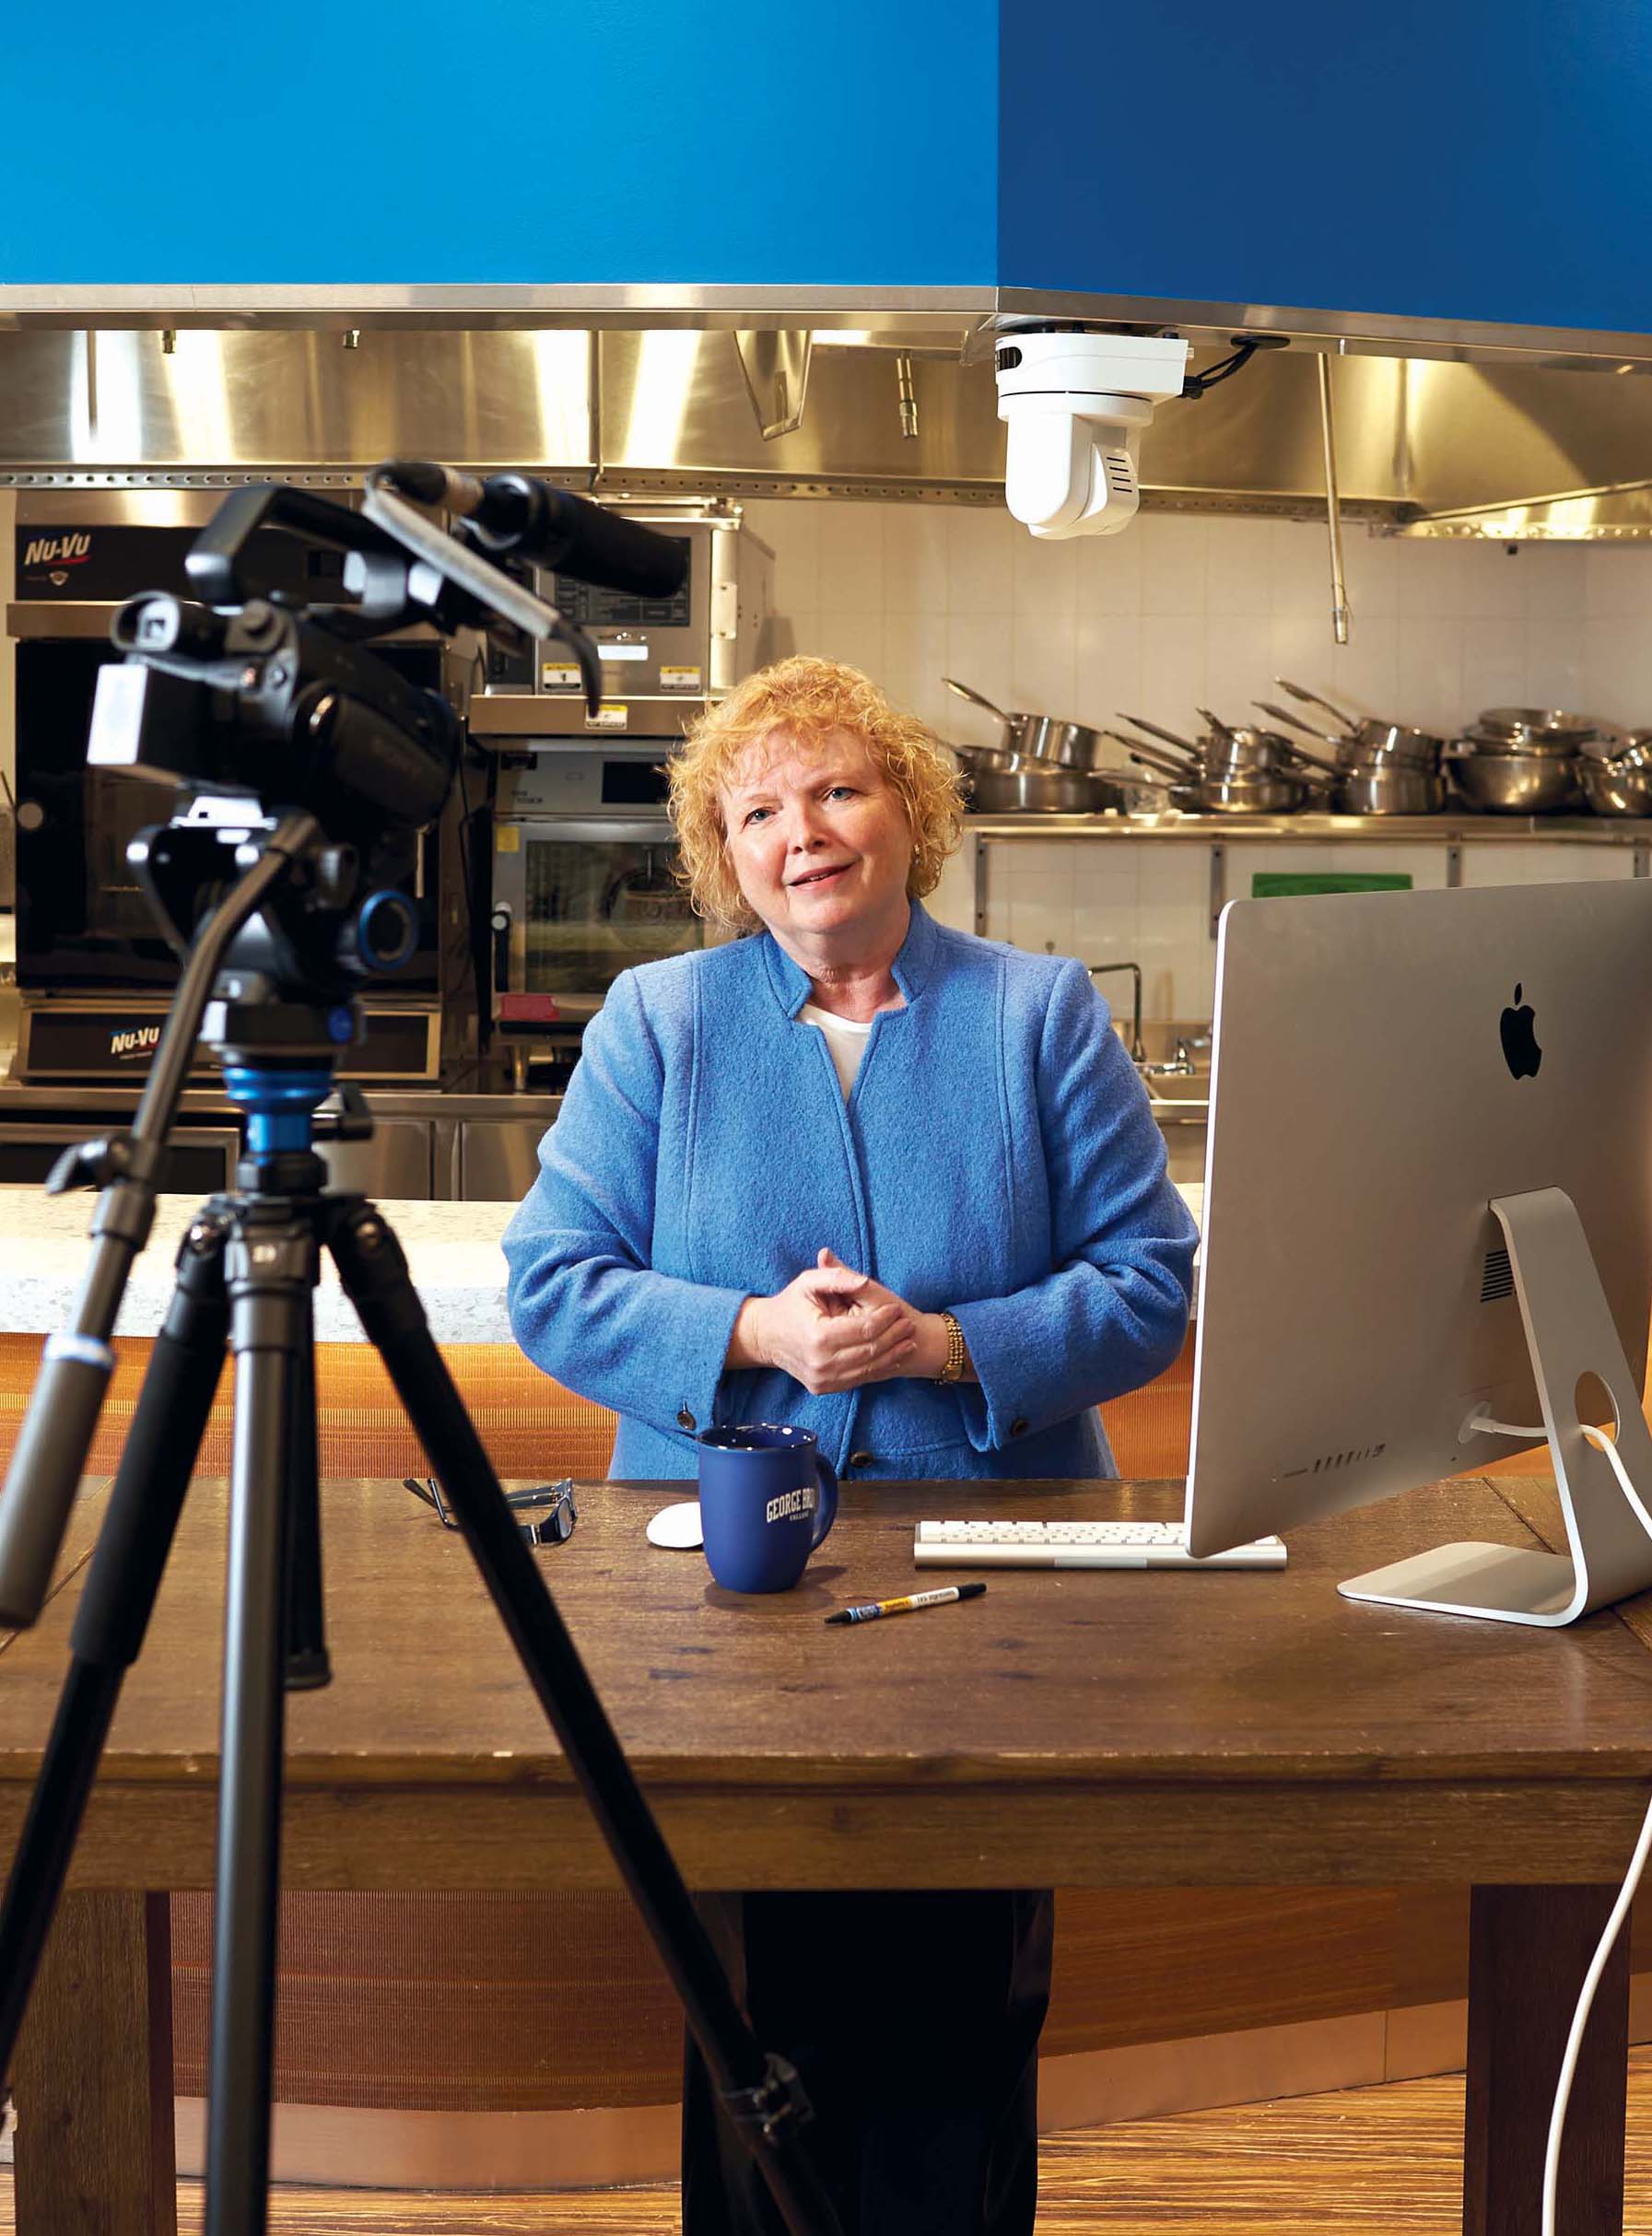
<point x="1078" y="1545"/>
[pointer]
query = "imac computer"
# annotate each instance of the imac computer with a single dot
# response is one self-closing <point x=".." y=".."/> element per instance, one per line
<point x="1428" y="1227"/>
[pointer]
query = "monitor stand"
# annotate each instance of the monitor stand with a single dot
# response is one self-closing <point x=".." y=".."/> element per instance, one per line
<point x="1605" y="1481"/>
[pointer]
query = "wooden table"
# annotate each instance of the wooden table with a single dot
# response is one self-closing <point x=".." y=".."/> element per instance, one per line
<point x="1122" y="1729"/>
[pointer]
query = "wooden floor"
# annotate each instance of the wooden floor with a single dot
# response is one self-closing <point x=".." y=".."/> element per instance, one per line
<point x="1380" y="2161"/>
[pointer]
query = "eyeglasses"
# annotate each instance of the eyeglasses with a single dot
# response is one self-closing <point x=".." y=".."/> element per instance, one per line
<point x="551" y="1528"/>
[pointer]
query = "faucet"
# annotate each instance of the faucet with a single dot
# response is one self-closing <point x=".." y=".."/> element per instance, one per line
<point x="1099" y="970"/>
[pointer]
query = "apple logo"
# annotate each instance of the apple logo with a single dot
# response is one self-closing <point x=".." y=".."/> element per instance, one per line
<point x="1521" y="1050"/>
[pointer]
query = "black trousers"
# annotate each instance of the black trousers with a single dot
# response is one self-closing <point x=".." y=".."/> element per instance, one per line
<point x="913" y="2020"/>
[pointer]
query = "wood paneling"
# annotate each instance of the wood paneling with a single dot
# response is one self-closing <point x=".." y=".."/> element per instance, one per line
<point x="451" y="2002"/>
<point x="557" y="2002"/>
<point x="1138" y="1965"/>
<point x="533" y="1429"/>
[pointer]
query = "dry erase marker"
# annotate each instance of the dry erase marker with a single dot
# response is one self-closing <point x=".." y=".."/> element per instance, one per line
<point x="909" y="1605"/>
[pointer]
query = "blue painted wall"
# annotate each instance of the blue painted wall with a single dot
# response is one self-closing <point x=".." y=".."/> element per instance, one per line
<point x="851" y="142"/>
<point x="1477" y="159"/>
<point x="1482" y="160"/>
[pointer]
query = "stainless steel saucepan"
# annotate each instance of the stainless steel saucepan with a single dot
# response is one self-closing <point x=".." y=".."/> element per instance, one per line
<point x="1040" y="736"/>
<point x="1390" y="788"/>
<point x="1268" y="792"/>
<point x="1363" y="739"/>
<point x="1373" y="782"/>
<point x="1228" y="752"/>
<point x="1014" y="784"/>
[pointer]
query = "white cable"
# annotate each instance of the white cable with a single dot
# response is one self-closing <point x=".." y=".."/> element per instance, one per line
<point x="1483" y="1426"/>
<point x="1637" y="1863"/>
<point x="1614" y="1925"/>
<point x="1603" y="1442"/>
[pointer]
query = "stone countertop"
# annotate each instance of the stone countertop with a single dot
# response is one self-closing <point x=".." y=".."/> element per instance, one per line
<point x="453" y="1249"/>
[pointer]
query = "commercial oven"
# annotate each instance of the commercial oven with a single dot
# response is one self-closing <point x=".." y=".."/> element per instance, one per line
<point x="584" y="861"/>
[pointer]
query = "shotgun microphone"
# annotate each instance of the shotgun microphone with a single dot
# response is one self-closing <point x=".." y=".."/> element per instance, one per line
<point x="517" y="513"/>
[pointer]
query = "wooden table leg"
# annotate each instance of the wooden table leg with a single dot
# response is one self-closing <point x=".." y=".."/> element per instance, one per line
<point x="94" y="2075"/>
<point x="1528" y="1949"/>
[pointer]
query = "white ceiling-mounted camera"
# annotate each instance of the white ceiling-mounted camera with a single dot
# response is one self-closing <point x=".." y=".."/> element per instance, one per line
<point x="1076" y="406"/>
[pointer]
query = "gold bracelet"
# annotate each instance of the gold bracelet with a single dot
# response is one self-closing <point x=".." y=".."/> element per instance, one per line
<point x="954" y="1369"/>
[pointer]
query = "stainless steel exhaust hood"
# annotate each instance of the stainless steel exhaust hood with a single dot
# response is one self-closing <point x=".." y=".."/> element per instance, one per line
<point x="1425" y="446"/>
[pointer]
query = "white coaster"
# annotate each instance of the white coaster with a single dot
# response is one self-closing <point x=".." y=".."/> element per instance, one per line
<point x="677" y="1526"/>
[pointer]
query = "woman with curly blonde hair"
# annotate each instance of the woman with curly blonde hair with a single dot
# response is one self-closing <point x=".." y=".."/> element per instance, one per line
<point x="899" y="1185"/>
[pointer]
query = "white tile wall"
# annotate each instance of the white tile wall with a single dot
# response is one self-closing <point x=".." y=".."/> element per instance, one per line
<point x="1180" y="612"/>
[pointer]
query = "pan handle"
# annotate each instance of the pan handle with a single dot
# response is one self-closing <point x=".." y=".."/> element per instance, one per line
<point x="1312" y="699"/>
<point x="1283" y="714"/>
<point x="1186" y="762"/>
<point x="1301" y="753"/>
<point x="1010" y="722"/>
<point x="1149" y="759"/>
<point x="1140" y="723"/>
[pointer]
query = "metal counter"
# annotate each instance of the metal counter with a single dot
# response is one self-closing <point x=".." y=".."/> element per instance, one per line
<point x="1452" y="827"/>
<point x="429" y="1145"/>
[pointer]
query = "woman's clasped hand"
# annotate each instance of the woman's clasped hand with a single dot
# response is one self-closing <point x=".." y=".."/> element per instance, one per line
<point x="833" y="1329"/>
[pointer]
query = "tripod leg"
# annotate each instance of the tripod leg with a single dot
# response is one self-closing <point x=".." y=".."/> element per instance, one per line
<point x="113" y="1614"/>
<point x="307" y="1667"/>
<point x="762" y="2095"/>
<point x="271" y="1270"/>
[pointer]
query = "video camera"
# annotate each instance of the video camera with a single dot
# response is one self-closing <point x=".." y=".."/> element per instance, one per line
<point x="242" y="694"/>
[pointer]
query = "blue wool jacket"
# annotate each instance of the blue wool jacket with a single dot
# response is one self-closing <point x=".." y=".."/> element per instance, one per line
<point x="997" y="1157"/>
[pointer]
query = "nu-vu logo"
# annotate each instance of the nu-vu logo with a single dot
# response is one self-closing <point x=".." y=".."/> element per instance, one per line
<point x="134" y="1040"/>
<point x="57" y="550"/>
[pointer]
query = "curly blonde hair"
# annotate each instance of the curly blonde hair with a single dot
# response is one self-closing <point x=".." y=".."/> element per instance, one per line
<point x="810" y="698"/>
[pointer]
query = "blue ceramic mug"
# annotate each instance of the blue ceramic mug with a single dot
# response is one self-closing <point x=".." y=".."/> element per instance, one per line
<point x="768" y="1497"/>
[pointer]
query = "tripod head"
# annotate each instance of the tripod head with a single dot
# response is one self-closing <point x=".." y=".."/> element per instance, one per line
<point x="308" y="763"/>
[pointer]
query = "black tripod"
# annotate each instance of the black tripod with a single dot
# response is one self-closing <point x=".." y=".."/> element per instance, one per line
<point x="246" y="1275"/>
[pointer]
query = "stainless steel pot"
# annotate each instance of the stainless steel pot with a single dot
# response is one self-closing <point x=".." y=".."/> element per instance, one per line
<point x="1056" y="744"/>
<point x="1245" y="751"/>
<point x="1363" y="738"/>
<point x="1390" y="788"/>
<point x="1511" y="783"/>
<point x="1049" y="792"/>
<point x="1267" y="795"/>
<point x="1277" y="794"/>
<point x="1238" y="753"/>
<point x="1014" y="784"/>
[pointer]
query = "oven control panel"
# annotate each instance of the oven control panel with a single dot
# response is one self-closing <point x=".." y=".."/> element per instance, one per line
<point x="663" y="658"/>
<point x="575" y="780"/>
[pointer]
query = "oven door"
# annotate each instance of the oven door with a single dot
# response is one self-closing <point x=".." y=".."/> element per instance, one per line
<point x="82" y="919"/>
<point x="576" y="901"/>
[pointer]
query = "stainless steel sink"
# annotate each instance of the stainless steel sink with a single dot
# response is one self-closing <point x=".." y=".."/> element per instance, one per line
<point x="1183" y="1073"/>
<point x="1185" y="1087"/>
